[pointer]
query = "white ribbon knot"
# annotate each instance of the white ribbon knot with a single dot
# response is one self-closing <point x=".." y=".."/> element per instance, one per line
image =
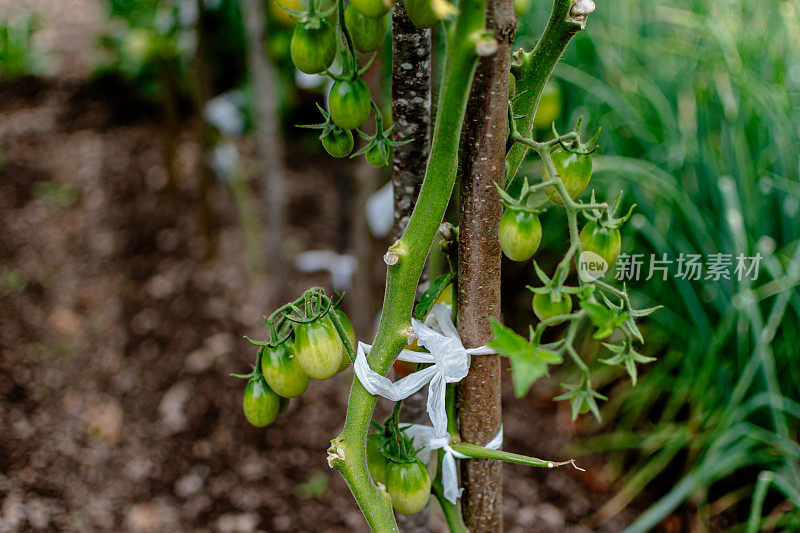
<point x="426" y="436"/>
<point x="450" y="363"/>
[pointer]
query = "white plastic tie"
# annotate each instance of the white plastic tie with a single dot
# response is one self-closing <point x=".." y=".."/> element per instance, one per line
<point x="425" y="436"/>
<point x="450" y="364"/>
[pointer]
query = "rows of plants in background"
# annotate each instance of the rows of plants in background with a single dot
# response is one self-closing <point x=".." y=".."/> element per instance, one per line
<point x="699" y="103"/>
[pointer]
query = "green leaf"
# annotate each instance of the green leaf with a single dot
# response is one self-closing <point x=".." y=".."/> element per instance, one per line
<point x="529" y="361"/>
<point x="428" y="298"/>
<point x="582" y="399"/>
<point x="603" y="318"/>
<point x="626" y="356"/>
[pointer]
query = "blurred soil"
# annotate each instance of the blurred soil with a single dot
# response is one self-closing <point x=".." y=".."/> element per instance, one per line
<point x="117" y="338"/>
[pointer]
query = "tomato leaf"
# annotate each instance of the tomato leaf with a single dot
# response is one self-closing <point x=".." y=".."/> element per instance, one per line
<point x="582" y="399"/>
<point x="529" y="361"/>
<point x="603" y="318"/>
<point x="428" y="298"/>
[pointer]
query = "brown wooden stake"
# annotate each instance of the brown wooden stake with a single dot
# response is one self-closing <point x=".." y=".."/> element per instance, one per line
<point x="411" y="116"/>
<point x="269" y="147"/>
<point x="483" y="165"/>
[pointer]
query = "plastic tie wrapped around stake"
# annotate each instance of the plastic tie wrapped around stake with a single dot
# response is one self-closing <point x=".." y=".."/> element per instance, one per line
<point x="429" y="441"/>
<point x="449" y="359"/>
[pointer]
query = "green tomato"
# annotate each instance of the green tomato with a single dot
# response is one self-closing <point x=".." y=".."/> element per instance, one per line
<point x="351" y="334"/>
<point x="421" y="13"/>
<point x="603" y="241"/>
<point x="520" y="233"/>
<point x="349" y="103"/>
<point x="549" y="107"/>
<point x="283" y="372"/>
<point x="575" y="171"/>
<point x="377" y="463"/>
<point x="373" y="8"/>
<point x="544" y="307"/>
<point x="522" y="6"/>
<point x="318" y="348"/>
<point x="378" y="156"/>
<point x="313" y="48"/>
<point x="409" y="485"/>
<point x="367" y="33"/>
<point x="338" y="142"/>
<point x="260" y="403"/>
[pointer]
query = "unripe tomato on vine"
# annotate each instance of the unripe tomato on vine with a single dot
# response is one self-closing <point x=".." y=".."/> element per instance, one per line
<point x="601" y="235"/>
<point x="409" y="485"/>
<point x="575" y="171"/>
<point x="520" y="233"/>
<point x="283" y="371"/>
<point x="260" y="403"/>
<point x="378" y="155"/>
<point x="601" y="240"/>
<point x="313" y="46"/>
<point x="545" y="307"/>
<point x="318" y="348"/>
<point x="338" y="142"/>
<point x="373" y="8"/>
<point x="367" y="33"/>
<point x="349" y="103"/>
<point x="428" y="13"/>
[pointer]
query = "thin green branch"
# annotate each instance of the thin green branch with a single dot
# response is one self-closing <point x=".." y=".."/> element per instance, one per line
<point x="479" y="452"/>
<point x="535" y="68"/>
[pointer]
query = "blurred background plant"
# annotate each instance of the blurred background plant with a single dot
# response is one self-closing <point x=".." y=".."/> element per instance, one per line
<point x="699" y="102"/>
<point x="18" y="59"/>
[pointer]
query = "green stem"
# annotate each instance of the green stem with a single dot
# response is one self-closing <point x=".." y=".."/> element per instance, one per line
<point x="534" y="72"/>
<point x="406" y="259"/>
<point x="479" y="452"/>
<point x="450" y="510"/>
<point x="351" y="351"/>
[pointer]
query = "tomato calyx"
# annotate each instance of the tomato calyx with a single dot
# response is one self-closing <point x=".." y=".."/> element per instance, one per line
<point x="606" y="218"/>
<point x="311" y="17"/>
<point x="378" y="150"/>
<point x="552" y="302"/>
<point x="337" y="142"/>
<point x="392" y="441"/>
<point x="530" y="200"/>
<point x="572" y="142"/>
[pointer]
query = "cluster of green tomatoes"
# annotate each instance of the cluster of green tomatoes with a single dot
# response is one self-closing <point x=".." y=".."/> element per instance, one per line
<point x="310" y="348"/>
<point x="520" y="231"/>
<point x="360" y="27"/>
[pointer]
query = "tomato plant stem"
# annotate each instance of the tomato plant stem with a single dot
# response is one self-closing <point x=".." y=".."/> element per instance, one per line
<point x="411" y="119"/>
<point x="532" y="72"/>
<point x="406" y="259"/>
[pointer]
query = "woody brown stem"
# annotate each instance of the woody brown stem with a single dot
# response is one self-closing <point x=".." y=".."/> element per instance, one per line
<point x="483" y="165"/>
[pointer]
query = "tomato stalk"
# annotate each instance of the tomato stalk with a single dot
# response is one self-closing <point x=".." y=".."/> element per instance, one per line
<point x="533" y="69"/>
<point x="405" y="260"/>
<point x="450" y="510"/>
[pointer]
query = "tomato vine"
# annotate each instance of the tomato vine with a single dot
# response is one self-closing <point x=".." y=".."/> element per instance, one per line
<point x="319" y="336"/>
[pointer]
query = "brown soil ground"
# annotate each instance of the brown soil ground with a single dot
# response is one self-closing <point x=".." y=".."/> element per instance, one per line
<point x="117" y="338"/>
